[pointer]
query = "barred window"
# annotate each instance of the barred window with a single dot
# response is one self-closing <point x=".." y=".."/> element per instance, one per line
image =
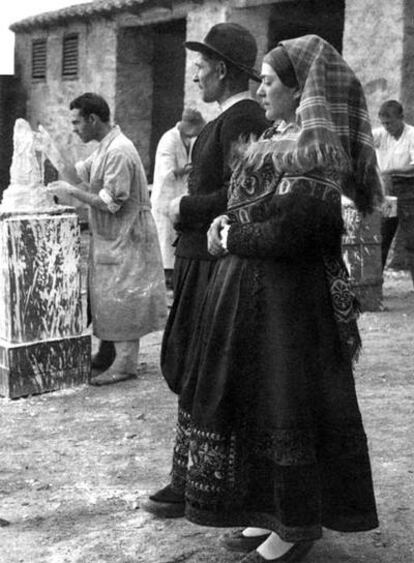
<point x="70" y="58"/>
<point x="39" y="58"/>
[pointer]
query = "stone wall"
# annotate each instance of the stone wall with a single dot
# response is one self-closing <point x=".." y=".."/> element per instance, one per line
<point x="256" y="20"/>
<point x="373" y="46"/>
<point x="48" y="100"/>
<point x="407" y="70"/>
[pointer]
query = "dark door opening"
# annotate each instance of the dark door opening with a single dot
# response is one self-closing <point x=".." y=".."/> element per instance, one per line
<point x="300" y="17"/>
<point x="168" y="65"/>
<point x="150" y="84"/>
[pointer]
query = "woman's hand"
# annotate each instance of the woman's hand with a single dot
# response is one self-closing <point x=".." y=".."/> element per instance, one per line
<point x="214" y="240"/>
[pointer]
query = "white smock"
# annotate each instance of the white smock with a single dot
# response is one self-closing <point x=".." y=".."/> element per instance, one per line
<point x="171" y="154"/>
<point x="126" y="279"/>
<point x="392" y="153"/>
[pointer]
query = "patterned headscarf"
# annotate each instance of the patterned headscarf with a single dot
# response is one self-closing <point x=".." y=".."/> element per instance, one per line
<point x="332" y="117"/>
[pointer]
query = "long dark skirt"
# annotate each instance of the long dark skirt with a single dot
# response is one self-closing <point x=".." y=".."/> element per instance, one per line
<point x="269" y="432"/>
<point x="190" y="280"/>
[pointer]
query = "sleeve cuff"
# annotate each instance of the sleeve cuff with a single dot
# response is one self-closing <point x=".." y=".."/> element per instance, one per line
<point x="224" y="233"/>
<point x="106" y="198"/>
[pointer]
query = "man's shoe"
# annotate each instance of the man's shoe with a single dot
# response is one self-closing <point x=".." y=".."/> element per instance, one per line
<point x="295" y="554"/>
<point x="104" y="356"/>
<point x="236" y="541"/>
<point x="166" y="503"/>
<point x="167" y="494"/>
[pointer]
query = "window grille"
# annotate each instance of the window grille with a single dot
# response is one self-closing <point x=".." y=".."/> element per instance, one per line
<point x="39" y="58"/>
<point x="70" y="58"/>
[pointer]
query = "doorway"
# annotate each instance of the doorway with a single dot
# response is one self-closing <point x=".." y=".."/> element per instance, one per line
<point x="168" y="79"/>
<point x="300" y="17"/>
<point x="150" y="84"/>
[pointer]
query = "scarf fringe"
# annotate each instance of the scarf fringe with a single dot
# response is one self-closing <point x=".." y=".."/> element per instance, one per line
<point x="364" y="188"/>
<point x="287" y="157"/>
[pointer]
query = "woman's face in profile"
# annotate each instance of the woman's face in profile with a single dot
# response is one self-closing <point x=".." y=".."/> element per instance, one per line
<point x="278" y="100"/>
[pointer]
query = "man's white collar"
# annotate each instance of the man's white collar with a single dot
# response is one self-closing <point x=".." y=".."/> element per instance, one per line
<point x="246" y="95"/>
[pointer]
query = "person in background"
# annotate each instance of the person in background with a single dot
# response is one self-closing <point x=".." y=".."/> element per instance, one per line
<point x="126" y="281"/>
<point x="270" y="433"/>
<point x="394" y="143"/>
<point x="172" y="165"/>
<point x="224" y="64"/>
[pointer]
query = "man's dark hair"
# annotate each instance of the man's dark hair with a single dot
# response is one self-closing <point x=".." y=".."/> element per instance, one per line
<point x="391" y="108"/>
<point x="89" y="103"/>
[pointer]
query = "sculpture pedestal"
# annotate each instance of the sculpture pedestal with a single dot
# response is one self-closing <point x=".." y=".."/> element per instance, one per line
<point x="361" y="246"/>
<point x="42" y="344"/>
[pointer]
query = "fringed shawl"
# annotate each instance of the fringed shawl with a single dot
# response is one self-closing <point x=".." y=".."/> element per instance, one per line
<point x="334" y="127"/>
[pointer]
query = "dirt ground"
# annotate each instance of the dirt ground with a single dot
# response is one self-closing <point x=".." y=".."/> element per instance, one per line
<point x="76" y="464"/>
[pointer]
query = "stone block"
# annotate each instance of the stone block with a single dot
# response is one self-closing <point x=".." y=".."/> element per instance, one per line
<point x="42" y="343"/>
<point x="40" y="282"/>
<point x="37" y="367"/>
<point x="361" y="246"/>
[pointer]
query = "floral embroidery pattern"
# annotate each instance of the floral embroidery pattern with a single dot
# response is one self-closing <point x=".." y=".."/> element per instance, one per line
<point x="345" y="305"/>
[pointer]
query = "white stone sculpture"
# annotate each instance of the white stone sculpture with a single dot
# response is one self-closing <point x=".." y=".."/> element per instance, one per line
<point x="24" y="170"/>
<point x="26" y="192"/>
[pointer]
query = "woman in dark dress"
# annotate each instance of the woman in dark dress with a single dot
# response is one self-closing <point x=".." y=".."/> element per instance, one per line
<point x="270" y="434"/>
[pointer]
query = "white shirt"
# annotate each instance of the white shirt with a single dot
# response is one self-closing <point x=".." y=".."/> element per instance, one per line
<point x="394" y="153"/>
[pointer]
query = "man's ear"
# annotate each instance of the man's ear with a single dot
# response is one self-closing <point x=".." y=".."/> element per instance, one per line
<point x="222" y="69"/>
<point x="93" y="119"/>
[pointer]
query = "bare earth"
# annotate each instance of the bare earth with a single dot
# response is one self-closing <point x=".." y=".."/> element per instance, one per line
<point x="76" y="465"/>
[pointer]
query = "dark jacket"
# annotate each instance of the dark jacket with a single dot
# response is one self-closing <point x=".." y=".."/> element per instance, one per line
<point x="208" y="180"/>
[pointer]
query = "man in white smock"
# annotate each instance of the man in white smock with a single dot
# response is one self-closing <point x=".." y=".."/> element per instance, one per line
<point x="172" y="165"/>
<point x="126" y="282"/>
<point x="394" y="143"/>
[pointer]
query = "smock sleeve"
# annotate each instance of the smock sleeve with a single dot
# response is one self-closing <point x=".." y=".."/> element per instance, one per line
<point x="83" y="169"/>
<point x="169" y="156"/>
<point x="117" y="181"/>
<point x="166" y="158"/>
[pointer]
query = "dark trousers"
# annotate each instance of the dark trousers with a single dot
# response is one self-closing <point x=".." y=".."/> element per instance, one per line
<point x="388" y="229"/>
<point x="403" y="189"/>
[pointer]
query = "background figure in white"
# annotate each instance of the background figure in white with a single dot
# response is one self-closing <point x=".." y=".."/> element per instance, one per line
<point x="172" y="165"/>
<point x="394" y="143"/>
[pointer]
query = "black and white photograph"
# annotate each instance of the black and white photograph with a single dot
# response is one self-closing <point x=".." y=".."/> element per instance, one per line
<point x="207" y="281"/>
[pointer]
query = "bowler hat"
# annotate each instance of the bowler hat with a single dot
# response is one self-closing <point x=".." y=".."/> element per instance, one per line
<point x="232" y="43"/>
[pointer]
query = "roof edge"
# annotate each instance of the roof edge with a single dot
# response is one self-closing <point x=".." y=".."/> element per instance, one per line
<point x="77" y="11"/>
